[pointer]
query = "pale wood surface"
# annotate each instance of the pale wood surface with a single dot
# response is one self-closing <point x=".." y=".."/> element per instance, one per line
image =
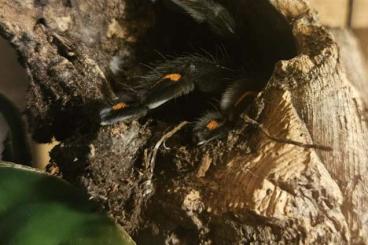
<point x="335" y="13"/>
<point x="352" y="56"/>
<point x="360" y="14"/>
<point x="332" y="13"/>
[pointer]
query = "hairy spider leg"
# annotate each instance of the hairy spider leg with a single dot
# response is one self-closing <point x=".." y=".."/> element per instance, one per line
<point x="215" y="125"/>
<point x="168" y="87"/>
<point x="120" y="111"/>
<point x="187" y="73"/>
<point x="167" y="81"/>
<point x="209" y="127"/>
<point x="237" y="97"/>
<point x="166" y="91"/>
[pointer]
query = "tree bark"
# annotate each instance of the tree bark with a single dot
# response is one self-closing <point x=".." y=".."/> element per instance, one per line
<point x="247" y="188"/>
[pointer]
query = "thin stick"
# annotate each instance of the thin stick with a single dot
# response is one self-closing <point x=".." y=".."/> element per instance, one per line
<point x="165" y="137"/>
<point x="285" y="141"/>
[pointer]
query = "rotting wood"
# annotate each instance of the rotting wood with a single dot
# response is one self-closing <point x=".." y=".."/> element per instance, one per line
<point x="255" y="189"/>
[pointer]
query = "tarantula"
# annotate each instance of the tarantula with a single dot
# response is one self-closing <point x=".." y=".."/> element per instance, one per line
<point x="181" y="75"/>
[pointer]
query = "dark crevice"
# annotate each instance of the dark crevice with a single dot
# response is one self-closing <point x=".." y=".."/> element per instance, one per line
<point x="41" y="21"/>
<point x="40" y="3"/>
<point x="68" y="3"/>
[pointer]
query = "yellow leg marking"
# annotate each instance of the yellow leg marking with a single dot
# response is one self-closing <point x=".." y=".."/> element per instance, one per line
<point x="119" y="106"/>
<point x="213" y="124"/>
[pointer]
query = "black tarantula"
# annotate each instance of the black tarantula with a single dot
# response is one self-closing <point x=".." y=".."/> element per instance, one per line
<point x="181" y="75"/>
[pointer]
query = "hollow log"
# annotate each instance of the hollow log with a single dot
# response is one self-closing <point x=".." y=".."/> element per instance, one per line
<point x="151" y="178"/>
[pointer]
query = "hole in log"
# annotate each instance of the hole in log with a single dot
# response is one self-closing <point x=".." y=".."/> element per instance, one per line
<point x="262" y="37"/>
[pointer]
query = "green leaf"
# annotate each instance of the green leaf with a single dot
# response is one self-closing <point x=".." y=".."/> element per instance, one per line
<point x="38" y="209"/>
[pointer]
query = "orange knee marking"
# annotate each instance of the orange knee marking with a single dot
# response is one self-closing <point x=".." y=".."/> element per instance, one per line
<point x="213" y="124"/>
<point x="173" y="77"/>
<point x="119" y="106"/>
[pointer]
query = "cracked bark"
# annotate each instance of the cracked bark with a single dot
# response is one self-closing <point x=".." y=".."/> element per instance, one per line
<point x="245" y="188"/>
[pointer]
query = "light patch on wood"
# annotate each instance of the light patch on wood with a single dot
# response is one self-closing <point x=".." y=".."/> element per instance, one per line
<point x="291" y="8"/>
<point x="115" y="30"/>
<point x="63" y="23"/>
<point x="193" y="202"/>
<point x="205" y="165"/>
<point x="92" y="151"/>
<point x="193" y="206"/>
<point x="26" y="3"/>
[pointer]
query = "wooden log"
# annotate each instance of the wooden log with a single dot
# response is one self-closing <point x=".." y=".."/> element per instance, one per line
<point x="247" y="188"/>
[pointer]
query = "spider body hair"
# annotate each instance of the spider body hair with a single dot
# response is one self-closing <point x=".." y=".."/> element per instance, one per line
<point x="109" y="115"/>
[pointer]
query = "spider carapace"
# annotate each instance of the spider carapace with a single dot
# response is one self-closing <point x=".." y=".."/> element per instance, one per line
<point x="181" y="75"/>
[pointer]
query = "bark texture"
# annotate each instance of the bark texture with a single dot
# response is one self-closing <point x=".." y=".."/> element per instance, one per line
<point x="246" y="188"/>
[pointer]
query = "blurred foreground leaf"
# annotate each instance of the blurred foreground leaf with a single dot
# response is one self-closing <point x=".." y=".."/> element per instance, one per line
<point x="36" y="208"/>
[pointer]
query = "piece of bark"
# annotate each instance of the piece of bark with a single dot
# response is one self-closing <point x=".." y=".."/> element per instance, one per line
<point x="247" y="188"/>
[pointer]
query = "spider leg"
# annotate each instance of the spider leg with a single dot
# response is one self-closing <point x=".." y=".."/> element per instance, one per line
<point x="210" y="127"/>
<point x="167" y="81"/>
<point x="237" y="97"/>
<point x="174" y="85"/>
<point x="121" y="111"/>
<point x="167" y="88"/>
<point x="215" y="125"/>
<point x="208" y="11"/>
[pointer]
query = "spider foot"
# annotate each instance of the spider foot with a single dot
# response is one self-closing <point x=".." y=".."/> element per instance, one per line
<point x="121" y="111"/>
<point x="211" y="126"/>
